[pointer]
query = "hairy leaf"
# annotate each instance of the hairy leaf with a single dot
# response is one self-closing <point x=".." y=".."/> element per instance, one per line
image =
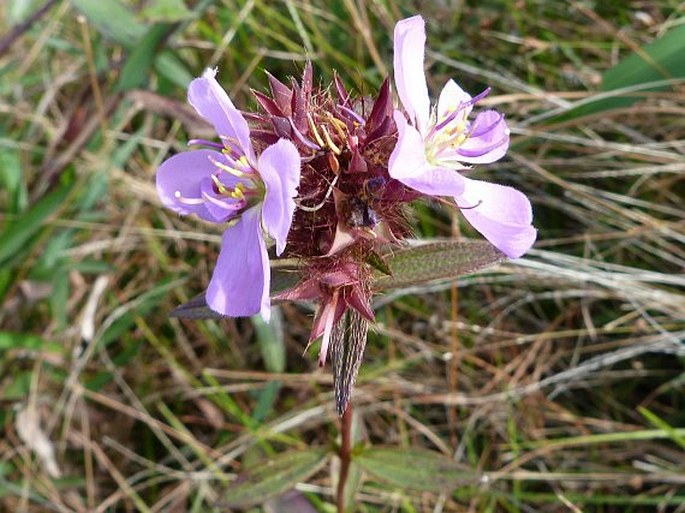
<point x="437" y="260"/>
<point x="415" y="468"/>
<point x="273" y="477"/>
<point x="414" y="265"/>
<point x="281" y="279"/>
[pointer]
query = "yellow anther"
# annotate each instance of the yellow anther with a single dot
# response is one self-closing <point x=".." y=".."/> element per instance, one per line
<point x="329" y="141"/>
<point x="243" y="161"/>
<point x="219" y="186"/>
<point x="312" y="127"/>
<point x="339" y="126"/>
<point x="226" y="168"/>
<point x="238" y="191"/>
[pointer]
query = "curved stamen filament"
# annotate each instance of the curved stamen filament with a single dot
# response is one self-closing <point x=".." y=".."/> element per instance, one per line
<point x="340" y="126"/>
<point x="315" y="131"/>
<point x="480" y="202"/>
<point x="205" y="142"/>
<point x="323" y="202"/>
<point x="188" y="201"/>
<point x="329" y="141"/>
<point x="231" y="170"/>
<point x="355" y="117"/>
<point x="477" y="131"/>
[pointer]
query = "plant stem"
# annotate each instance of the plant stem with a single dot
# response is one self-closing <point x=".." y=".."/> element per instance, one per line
<point x="345" y="454"/>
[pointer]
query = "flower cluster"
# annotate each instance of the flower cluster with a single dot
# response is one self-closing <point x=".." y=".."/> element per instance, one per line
<point x="326" y="177"/>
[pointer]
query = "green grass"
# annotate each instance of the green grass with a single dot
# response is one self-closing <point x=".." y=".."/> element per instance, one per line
<point x="558" y="376"/>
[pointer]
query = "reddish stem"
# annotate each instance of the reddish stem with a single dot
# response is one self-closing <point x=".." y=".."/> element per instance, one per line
<point x="345" y="455"/>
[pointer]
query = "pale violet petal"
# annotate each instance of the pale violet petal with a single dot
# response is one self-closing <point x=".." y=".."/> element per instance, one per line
<point x="502" y="214"/>
<point x="410" y="78"/>
<point x="212" y="103"/>
<point x="408" y="158"/>
<point x="437" y="181"/>
<point x="489" y="142"/>
<point x="241" y="279"/>
<point x="279" y="167"/>
<point x="179" y="181"/>
<point x="408" y="164"/>
<point x="451" y="97"/>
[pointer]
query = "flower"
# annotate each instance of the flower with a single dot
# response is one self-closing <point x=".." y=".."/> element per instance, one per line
<point x="229" y="183"/>
<point x="435" y="142"/>
<point x="339" y="288"/>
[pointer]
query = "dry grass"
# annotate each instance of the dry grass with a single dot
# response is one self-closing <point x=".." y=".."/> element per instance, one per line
<point x="559" y="376"/>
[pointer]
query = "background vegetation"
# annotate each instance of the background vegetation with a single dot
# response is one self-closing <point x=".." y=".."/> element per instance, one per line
<point x="557" y="378"/>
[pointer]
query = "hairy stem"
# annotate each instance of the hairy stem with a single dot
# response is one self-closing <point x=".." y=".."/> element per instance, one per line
<point x="345" y="455"/>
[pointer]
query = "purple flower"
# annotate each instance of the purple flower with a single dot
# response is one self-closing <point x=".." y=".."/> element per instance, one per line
<point x="435" y="142"/>
<point x="229" y="183"/>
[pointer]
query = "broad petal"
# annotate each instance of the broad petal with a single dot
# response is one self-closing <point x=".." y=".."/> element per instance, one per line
<point x="408" y="165"/>
<point x="490" y="139"/>
<point x="410" y="78"/>
<point x="450" y="98"/>
<point x="184" y="174"/>
<point x="279" y="167"/>
<point x="503" y="215"/>
<point x="240" y="283"/>
<point x="408" y="158"/>
<point x="437" y="181"/>
<point x="212" y="103"/>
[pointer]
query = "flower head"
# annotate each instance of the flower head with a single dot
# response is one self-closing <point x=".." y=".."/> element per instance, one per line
<point x="229" y="183"/>
<point x="434" y="142"/>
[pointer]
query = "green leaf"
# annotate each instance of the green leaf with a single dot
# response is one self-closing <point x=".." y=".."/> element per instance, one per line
<point x="658" y="422"/>
<point x="173" y="69"/>
<point x="112" y="19"/>
<point x="9" y="340"/>
<point x="273" y="477"/>
<point x="437" y="260"/>
<point x="281" y="278"/>
<point x="271" y="340"/>
<point x="135" y="72"/>
<point x="419" y="469"/>
<point x="653" y="63"/>
<point x="12" y="179"/>
<point x="166" y="11"/>
<point x="410" y="266"/>
<point x="378" y="262"/>
<point x="13" y="239"/>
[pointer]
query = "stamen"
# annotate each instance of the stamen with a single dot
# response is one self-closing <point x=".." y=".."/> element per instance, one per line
<point x="339" y="126"/>
<point x="228" y="169"/>
<point x="205" y="142"/>
<point x="329" y="141"/>
<point x="219" y="186"/>
<point x="450" y="117"/>
<point x="323" y="202"/>
<point x="478" y="131"/>
<point x="232" y="145"/>
<point x="480" y="202"/>
<point x="479" y="96"/>
<point x="222" y="203"/>
<point x="355" y="117"/>
<point x="312" y="127"/>
<point x="188" y="201"/>
<point x="239" y="191"/>
<point x="482" y="150"/>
